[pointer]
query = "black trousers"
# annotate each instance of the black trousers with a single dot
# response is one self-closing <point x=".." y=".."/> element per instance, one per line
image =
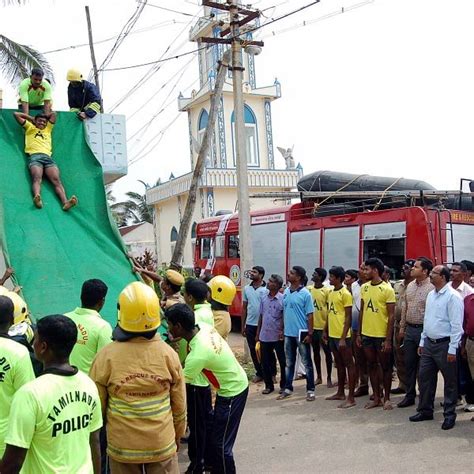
<point x="227" y="415"/>
<point x="268" y="362"/>
<point x="434" y="359"/>
<point x="199" y="407"/>
<point x="412" y="359"/>
<point x="251" y="334"/>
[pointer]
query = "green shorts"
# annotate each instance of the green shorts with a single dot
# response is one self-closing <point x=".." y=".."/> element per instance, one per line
<point x="41" y="159"/>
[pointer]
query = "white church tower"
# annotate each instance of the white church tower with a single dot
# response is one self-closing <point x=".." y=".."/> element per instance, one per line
<point x="218" y="185"/>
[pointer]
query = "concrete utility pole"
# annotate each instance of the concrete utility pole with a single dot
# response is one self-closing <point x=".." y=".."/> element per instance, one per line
<point x="91" y="46"/>
<point x="246" y="257"/>
<point x="177" y="258"/>
<point x="239" y="16"/>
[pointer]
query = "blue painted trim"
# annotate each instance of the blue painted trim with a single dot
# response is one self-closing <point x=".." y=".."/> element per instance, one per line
<point x="269" y="134"/>
<point x="221" y="133"/>
<point x="190" y="128"/>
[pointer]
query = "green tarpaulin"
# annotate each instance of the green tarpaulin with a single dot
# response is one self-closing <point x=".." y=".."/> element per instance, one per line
<point x="53" y="251"/>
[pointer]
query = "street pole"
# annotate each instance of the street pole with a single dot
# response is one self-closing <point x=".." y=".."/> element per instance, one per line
<point x="91" y="46"/>
<point x="246" y="258"/>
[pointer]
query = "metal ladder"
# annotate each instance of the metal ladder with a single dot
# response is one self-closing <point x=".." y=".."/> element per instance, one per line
<point x="449" y="233"/>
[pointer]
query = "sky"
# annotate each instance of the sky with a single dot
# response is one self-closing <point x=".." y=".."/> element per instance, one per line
<point x="385" y="88"/>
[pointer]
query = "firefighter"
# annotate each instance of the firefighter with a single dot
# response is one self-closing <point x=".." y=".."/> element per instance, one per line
<point x="141" y="387"/>
<point x="222" y="295"/>
<point x="22" y="330"/>
<point x="83" y="96"/>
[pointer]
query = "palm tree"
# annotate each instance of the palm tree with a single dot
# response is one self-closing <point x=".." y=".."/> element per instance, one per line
<point x="136" y="209"/>
<point x="17" y="60"/>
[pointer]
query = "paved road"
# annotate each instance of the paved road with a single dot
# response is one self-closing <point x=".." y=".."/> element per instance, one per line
<point x="298" y="436"/>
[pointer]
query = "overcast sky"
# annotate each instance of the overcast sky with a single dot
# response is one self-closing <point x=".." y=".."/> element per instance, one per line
<point x="386" y="88"/>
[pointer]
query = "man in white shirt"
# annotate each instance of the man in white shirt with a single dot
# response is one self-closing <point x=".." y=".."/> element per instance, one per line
<point x="458" y="273"/>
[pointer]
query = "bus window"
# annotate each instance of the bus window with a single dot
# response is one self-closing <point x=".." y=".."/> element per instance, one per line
<point x="233" y="249"/>
<point x="220" y="246"/>
<point x="206" y="247"/>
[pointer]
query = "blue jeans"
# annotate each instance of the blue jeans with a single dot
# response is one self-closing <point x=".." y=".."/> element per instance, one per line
<point x="292" y="344"/>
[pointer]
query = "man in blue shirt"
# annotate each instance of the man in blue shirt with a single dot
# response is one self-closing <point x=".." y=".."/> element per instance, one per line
<point x="298" y="328"/>
<point x="440" y="340"/>
<point x="251" y="299"/>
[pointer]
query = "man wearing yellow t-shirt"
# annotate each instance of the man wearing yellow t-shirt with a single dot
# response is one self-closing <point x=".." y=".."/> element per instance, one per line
<point x="38" y="148"/>
<point x="93" y="333"/>
<point x="35" y="93"/>
<point x="319" y="294"/>
<point x="338" y="328"/>
<point x="15" y="366"/>
<point x="55" y="419"/>
<point x="210" y="355"/>
<point x="376" y="330"/>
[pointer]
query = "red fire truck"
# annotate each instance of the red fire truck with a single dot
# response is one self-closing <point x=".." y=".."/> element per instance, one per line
<point x="394" y="227"/>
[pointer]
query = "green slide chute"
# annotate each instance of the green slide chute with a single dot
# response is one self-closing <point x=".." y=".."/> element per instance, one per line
<point x="53" y="251"/>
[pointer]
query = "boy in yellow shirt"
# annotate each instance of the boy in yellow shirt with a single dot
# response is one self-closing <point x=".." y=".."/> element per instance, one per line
<point x="319" y="294"/>
<point x="338" y="327"/>
<point x="38" y="147"/>
<point x="376" y="330"/>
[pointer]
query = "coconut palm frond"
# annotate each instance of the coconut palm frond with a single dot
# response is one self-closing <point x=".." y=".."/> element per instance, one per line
<point x="17" y="60"/>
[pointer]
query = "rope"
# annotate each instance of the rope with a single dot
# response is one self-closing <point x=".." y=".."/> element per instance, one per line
<point x="383" y="193"/>
<point x="318" y="204"/>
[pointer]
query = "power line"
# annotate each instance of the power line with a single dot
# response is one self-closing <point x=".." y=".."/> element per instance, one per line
<point x="169" y="10"/>
<point x="286" y="15"/>
<point x="111" y="38"/>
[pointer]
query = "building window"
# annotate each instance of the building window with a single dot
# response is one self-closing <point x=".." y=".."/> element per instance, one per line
<point x="202" y="124"/>
<point x="173" y="239"/>
<point x="251" y="137"/>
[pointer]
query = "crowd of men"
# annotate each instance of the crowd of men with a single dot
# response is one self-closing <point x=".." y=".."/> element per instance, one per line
<point x="421" y="325"/>
<point x="120" y="400"/>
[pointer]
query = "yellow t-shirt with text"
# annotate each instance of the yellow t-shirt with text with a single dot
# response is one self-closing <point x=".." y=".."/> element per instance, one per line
<point x="375" y="316"/>
<point x="52" y="417"/>
<point x="320" y="300"/>
<point x="338" y="301"/>
<point x="15" y="371"/>
<point x="36" y="140"/>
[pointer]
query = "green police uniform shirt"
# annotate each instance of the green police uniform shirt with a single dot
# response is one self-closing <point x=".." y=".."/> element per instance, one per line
<point x="210" y="355"/>
<point x="15" y="371"/>
<point x="204" y="316"/>
<point x="34" y="96"/>
<point x="93" y="333"/>
<point x="53" y="417"/>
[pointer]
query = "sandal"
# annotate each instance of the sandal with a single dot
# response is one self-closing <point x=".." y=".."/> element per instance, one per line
<point x="267" y="391"/>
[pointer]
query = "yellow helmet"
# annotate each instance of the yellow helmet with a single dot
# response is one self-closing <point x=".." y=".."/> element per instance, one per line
<point x="222" y="289"/>
<point x="21" y="309"/>
<point x="138" y="308"/>
<point x="3" y="290"/>
<point x="74" y="75"/>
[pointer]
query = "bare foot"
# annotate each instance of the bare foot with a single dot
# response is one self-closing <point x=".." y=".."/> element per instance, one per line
<point x="330" y="384"/>
<point x="347" y="404"/>
<point x="70" y="203"/>
<point x="387" y="405"/>
<point x="319" y="381"/>
<point x="37" y="201"/>
<point x="373" y="404"/>
<point x="336" y="396"/>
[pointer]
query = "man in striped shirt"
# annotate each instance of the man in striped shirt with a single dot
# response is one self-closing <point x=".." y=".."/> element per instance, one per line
<point x="411" y="324"/>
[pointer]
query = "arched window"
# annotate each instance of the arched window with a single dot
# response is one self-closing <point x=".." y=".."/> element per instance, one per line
<point x="202" y="124"/>
<point x="251" y="136"/>
<point x="193" y="230"/>
<point x="174" y="234"/>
